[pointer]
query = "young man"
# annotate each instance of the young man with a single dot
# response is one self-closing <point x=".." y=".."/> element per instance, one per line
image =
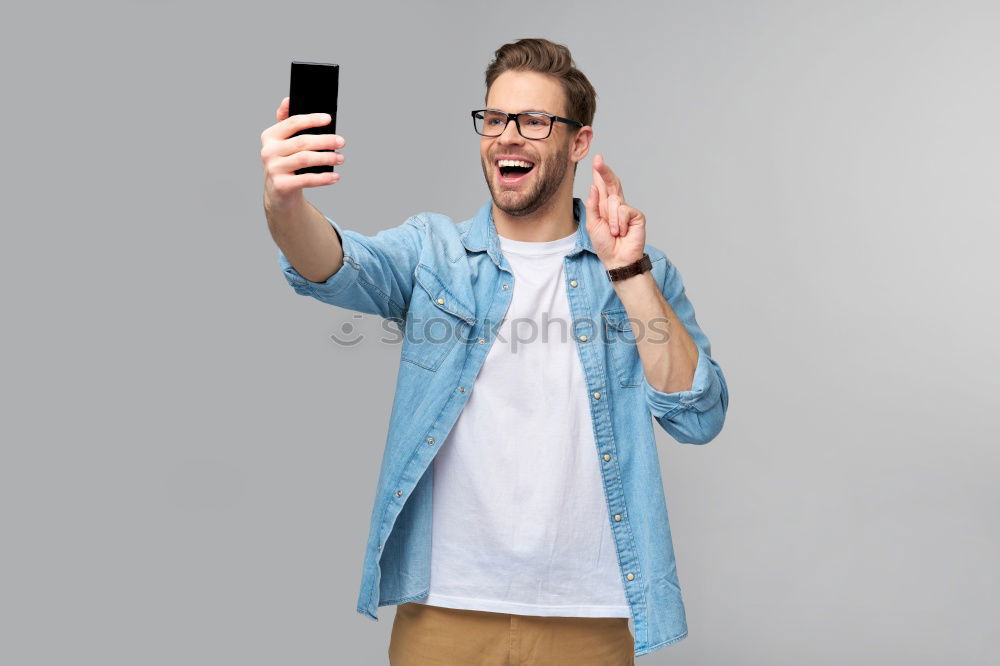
<point x="542" y="337"/>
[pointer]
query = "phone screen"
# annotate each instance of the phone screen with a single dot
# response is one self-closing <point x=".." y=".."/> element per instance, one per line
<point x="313" y="89"/>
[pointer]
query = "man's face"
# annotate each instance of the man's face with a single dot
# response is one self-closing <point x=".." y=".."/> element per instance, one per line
<point x="514" y="92"/>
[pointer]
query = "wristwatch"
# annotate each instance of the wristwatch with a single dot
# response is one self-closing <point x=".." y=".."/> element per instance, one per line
<point x="622" y="272"/>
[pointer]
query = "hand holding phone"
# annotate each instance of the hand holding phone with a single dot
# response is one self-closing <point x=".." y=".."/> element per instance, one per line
<point x="294" y="144"/>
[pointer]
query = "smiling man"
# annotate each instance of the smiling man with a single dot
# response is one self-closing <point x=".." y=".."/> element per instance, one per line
<point x="519" y="515"/>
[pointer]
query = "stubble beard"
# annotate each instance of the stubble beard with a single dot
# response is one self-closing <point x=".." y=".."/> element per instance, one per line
<point x="547" y="178"/>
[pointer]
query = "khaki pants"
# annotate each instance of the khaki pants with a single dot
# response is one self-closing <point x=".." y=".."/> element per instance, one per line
<point x="424" y="635"/>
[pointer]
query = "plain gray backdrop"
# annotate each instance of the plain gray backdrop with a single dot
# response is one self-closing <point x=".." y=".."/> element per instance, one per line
<point x="189" y="461"/>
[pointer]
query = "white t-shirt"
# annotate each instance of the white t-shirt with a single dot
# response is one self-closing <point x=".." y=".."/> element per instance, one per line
<point x="520" y="521"/>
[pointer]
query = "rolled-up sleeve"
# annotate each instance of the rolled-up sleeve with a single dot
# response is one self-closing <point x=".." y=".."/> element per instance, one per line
<point x="377" y="275"/>
<point x="697" y="415"/>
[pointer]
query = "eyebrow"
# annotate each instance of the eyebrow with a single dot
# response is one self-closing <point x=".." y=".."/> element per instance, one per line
<point x="530" y="111"/>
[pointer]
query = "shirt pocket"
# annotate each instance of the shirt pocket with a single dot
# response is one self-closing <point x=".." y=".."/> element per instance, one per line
<point x="436" y="321"/>
<point x="621" y="347"/>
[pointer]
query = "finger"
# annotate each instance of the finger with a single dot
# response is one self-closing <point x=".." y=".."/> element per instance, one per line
<point x="283" y="110"/>
<point x="591" y="205"/>
<point x="292" y="124"/>
<point x="305" y="142"/>
<point x="290" y="181"/>
<point x="307" y="158"/>
<point x="611" y="182"/>
<point x="602" y="190"/>
<point x="625" y="217"/>
<point x="614" y="208"/>
<point x="632" y="219"/>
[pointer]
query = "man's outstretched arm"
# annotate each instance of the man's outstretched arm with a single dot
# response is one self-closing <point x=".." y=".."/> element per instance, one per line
<point x="309" y="242"/>
<point x="372" y="274"/>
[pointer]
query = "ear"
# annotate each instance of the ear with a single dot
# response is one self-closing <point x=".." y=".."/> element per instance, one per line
<point x="581" y="143"/>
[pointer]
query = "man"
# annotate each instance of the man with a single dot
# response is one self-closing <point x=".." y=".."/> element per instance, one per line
<point x="531" y="452"/>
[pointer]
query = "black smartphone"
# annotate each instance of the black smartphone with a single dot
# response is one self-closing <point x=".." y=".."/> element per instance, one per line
<point x="313" y="89"/>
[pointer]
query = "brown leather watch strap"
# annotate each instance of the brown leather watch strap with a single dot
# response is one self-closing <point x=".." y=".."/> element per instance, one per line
<point x="635" y="268"/>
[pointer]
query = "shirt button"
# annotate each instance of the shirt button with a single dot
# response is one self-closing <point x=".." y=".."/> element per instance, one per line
<point x="506" y="287"/>
<point x="572" y="283"/>
<point x="618" y="517"/>
<point x="597" y="396"/>
<point x="461" y="389"/>
<point x="583" y="338"/>
<point x="440" y="301"/>
<point x="430" y="440"/>
<point x="482" y="340"/>
<point x="607" y="457"/>
<point x="399" y="493"/>
<point x="629" y="576"/>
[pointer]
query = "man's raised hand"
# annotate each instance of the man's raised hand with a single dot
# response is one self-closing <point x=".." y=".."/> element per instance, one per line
<point x="281" y="154"/>
<point x="617" y="230"/>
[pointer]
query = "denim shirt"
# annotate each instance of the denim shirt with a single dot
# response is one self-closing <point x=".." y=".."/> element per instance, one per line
<point x="432" y="269"/>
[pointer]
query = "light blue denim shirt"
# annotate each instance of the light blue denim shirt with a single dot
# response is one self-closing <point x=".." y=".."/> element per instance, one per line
<point x="432" y="269"/>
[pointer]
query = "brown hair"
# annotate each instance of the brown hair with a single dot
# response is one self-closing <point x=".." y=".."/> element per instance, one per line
<point x="532" y="54"/>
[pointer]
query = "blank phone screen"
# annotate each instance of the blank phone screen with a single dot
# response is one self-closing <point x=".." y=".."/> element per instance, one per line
<point x="313" y="89"/>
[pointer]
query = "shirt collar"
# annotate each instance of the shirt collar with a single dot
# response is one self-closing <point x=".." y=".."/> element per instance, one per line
<point x="481" y="232"/>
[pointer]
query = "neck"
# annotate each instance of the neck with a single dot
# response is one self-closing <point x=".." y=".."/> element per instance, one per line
<point x="552" y="221"/>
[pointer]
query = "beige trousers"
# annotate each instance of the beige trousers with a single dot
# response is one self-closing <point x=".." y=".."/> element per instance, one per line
<point x="424" y="635"/>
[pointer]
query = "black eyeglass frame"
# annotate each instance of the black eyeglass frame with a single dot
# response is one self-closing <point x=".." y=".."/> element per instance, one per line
<point x="517" y="122"/>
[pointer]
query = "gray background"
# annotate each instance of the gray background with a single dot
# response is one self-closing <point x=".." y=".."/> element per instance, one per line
<point x="189" y="461"/>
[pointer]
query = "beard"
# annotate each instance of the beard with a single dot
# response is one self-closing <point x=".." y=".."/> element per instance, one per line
<point x="546" y="178"/>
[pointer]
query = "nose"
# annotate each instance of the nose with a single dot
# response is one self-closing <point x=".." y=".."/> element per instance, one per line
<point x="510" y="135"/>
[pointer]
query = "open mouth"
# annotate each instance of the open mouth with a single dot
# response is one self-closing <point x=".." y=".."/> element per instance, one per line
<point x="514" y="171"/>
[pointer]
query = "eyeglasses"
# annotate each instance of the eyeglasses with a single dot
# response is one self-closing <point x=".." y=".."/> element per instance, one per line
<point x="533" y="125"/>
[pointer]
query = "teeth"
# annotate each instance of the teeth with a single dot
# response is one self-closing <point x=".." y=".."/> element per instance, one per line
<point x="518" y="163"/>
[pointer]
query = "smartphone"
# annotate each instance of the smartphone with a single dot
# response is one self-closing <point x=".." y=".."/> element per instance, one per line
<point x="313" y="89"/>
